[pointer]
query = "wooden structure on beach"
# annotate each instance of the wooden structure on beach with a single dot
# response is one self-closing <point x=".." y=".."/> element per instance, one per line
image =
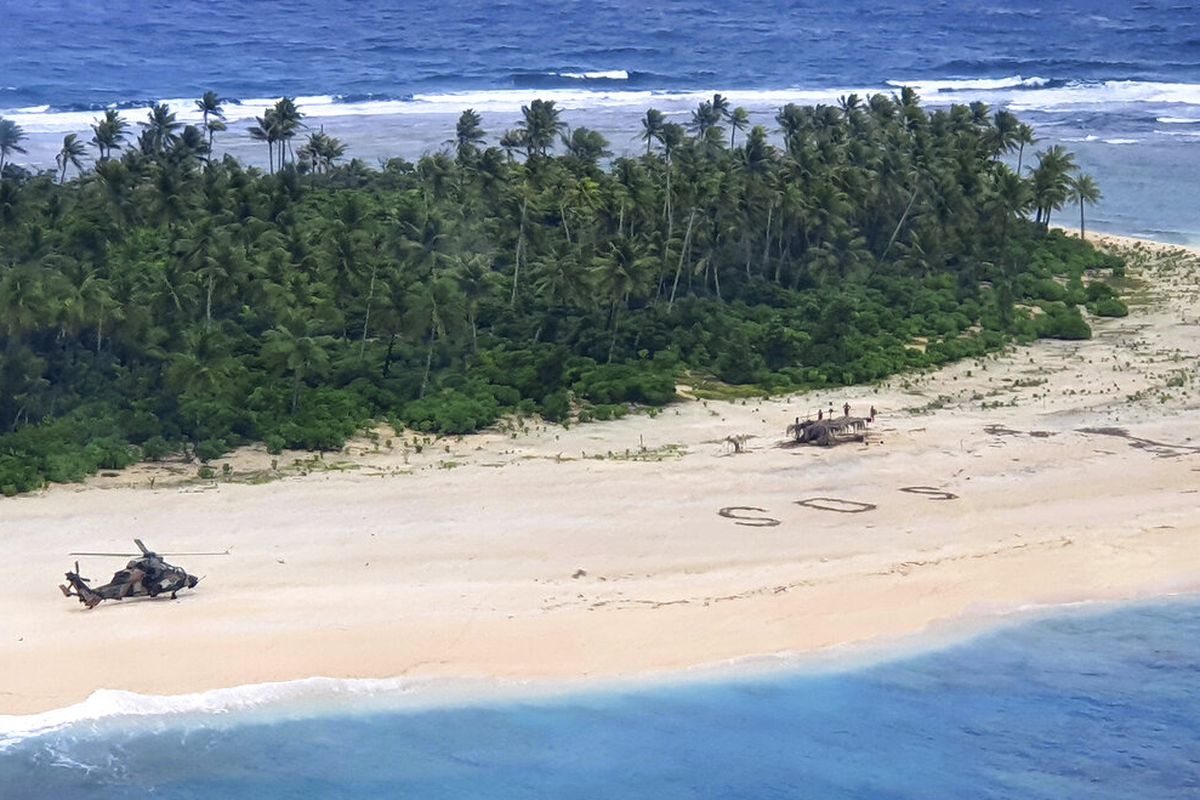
<point x="826" y="432"/>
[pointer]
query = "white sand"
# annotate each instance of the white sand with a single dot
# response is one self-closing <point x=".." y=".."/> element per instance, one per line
<point x="461" y="560"/>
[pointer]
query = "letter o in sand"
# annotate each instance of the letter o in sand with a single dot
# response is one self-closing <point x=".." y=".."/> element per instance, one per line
<point x="729" y="512"/>
<point x="932" y="492"/>
<point x="837" y="504"/>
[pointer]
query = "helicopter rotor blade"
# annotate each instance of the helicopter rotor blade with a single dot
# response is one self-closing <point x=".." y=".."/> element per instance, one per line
<point x="224" y="552"/>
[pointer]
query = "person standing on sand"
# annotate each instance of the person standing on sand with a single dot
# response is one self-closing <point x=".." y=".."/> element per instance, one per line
<point x="846" y="410"/>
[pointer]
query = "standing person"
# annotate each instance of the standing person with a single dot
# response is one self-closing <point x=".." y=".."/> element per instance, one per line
<point x="820" y="414"/>
<point x="846" y="410"/>
<point x="872" y="413"/>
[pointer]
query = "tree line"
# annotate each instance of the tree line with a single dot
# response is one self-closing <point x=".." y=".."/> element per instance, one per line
<point x="163" y="301"/>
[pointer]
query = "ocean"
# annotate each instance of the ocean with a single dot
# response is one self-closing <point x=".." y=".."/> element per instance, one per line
<point x="1115" y="81"/>
<point x="1095" y="703"/>
<point x="1087" y="702"/>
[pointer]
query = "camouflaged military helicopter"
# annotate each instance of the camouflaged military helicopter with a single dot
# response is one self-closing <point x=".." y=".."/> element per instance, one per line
<point x="147" y="575"/>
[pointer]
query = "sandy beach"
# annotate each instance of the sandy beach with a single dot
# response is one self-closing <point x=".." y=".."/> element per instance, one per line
<point x="1060" y="472"/>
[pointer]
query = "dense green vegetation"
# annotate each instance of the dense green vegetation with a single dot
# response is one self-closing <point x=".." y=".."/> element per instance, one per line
<point x="163" y="301"/>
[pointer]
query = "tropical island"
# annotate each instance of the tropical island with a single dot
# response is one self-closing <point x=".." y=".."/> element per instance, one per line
<point x="437" y="331"/>
<point x="162" y="301"/>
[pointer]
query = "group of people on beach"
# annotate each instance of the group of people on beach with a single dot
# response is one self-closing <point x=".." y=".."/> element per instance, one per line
<point x="845" y="412"/>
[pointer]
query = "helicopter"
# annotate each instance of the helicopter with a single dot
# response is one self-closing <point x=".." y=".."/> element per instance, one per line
<point x="147" y="575"/>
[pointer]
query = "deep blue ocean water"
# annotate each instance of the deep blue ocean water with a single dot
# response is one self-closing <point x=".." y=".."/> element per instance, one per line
<point x="1098" y="704"/>
<point x="1116" y="81"/>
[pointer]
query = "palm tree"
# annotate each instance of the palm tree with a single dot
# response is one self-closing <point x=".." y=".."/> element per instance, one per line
<point x="288" y="119"/>
<point x="108" y="134"/>
<point x="652" y="125"/>
<point x="468" y="135"/>
<point x="11" y="137"/>
<point x="1051" y="182"/>
<point x="1084" y="191"/>
<point x="320" y="151"/>
<point x="294" y="347"/>
<point x="704" y="118"/>
<point x="739" y="120"/>
<point x="1023" y="135"/>
<point x="160" y="127"/>
<point x="540" y="126"/>
<point x="435" y="309"/>
<point x="586" y="145"/>
<point x="1005" y="133"/>
<point x="266" y="129"/>
<point x="621" y="272"/>
<point x="71" y="154"/>
<point x="211" y="107"/>
<point x="475" y="280"/>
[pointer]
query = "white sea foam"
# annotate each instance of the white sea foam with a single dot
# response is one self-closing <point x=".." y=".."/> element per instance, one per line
<point x="1015" y="92"/>
<point x="1120" y="141"/>
<point x="1078" y="95"/>
<point x="605" y="74"/>
<point x="933" y="86"/>
<point x="314" y="695"/>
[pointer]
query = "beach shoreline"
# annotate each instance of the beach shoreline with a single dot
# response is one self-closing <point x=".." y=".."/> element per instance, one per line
<point x="1057" y="473"/>
<point x="322" y="697"/>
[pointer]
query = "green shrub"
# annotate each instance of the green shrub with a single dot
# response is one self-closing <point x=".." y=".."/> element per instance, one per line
<point x="556" y="407"/>
<point x="1109" y="307"/>
<point x="156" y="448"/>
<point x="606" y="412"/>
<point x="450" y="412"/>
<point x="210" y="449"/>
<point x="636" y="382"/>
<point x="1062" y="322"/>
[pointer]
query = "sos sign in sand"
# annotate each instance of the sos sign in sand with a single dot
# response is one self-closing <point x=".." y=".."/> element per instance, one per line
<point x="756" y="517"/>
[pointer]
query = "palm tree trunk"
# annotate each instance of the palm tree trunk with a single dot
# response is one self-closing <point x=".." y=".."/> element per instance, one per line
<point x="387" y="357"/>
<point x="616" y="317"/>
<point x="520" y="247"/>
<point x="687" y="241"/>
<point x="367" y="317"/>
<point x="767" y="238"/>
<point x="428" y="362"/>
<point x="1082" y="234"/>
<point x="903" y="217"/>
<point x="208" y="304"/>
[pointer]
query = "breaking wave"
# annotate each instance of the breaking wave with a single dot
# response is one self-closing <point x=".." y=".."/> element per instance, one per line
<point x="616" y="89"/>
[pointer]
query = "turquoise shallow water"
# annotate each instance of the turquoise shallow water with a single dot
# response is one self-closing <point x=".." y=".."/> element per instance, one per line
<point x="1079" y="704"/>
